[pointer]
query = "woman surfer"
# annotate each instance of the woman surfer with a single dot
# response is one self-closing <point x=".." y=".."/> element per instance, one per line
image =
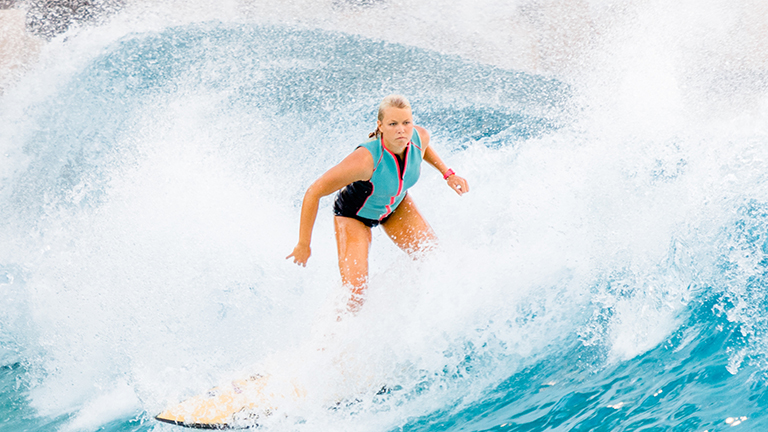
<point x="375" y="178"/>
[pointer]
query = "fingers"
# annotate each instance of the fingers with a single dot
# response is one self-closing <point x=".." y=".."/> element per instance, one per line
<point x="300" y="257"/>
<point x="462" y="187"/>
<point x="458" y="184"/>
<point x="298" y="261"/>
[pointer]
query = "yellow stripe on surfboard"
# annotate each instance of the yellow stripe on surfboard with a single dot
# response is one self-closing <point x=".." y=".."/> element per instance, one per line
<point x="238" y="402"/>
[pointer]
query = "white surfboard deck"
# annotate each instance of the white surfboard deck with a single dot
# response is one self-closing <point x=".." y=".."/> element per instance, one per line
<point x="235" y="405"/>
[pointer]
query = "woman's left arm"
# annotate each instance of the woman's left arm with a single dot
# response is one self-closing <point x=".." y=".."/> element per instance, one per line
<point x="459" y="184"/>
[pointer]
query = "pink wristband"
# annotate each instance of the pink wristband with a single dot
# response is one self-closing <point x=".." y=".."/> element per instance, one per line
<point x="448" y="174"/>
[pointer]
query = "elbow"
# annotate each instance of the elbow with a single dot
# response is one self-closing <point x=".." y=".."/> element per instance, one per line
<point x="313" y="193"/>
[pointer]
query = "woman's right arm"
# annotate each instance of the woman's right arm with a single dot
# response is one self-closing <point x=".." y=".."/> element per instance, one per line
<point x="357" y="166"/>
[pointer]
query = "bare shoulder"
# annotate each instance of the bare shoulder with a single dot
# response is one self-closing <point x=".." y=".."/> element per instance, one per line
<point x="359" y="163"/>
<point x="423" y="134"/>
<point x="362" y="155"/>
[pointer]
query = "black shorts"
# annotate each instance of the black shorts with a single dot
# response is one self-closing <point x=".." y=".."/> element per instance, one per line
<point x="351" y="199"/>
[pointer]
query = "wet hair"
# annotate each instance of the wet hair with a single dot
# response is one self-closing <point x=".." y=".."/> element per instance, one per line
<point x="391" y="101"/>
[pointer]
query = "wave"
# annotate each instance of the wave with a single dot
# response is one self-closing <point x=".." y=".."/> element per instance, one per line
<point x="605" y="272"/>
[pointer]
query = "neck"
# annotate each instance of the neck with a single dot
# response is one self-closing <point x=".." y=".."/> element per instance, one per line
<point x="398" y="149"/>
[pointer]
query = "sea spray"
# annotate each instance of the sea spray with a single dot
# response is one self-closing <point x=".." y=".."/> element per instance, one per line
<point x="151" y="188"/>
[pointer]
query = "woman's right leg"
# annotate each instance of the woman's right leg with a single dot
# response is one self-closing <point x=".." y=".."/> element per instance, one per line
<point x="353" y="240"/>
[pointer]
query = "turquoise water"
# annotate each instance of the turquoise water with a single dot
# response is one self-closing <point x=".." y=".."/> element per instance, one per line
<point x="601" y="275"/>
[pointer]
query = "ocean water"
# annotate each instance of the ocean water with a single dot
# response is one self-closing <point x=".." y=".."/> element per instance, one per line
<point x="608" y="270"/>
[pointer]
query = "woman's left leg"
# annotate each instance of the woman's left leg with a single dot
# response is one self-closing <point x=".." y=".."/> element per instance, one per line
<point x="408" y="229"/>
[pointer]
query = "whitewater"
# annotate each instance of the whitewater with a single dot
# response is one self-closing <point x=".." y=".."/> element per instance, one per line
<point x="608" y="270"/>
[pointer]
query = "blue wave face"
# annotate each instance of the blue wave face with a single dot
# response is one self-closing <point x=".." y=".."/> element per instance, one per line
<point x="296" y="83"/>
<point x="592" y="280"/>
<point x="277" y="105"/>
<point x="682" y="384"/>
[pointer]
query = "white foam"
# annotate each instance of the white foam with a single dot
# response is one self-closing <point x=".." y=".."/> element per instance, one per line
<point x="120" y="402"/>
<point x="597" y="231"/>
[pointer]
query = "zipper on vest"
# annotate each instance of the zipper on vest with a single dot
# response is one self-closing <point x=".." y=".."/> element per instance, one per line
<point x="400" y="174"/>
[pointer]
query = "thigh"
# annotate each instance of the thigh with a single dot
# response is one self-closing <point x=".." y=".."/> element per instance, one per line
<point x="408" y="228"/>
<point x="353" y="240"/>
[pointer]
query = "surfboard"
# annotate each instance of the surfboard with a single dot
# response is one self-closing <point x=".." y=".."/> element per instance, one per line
<point x="238" y="404"/>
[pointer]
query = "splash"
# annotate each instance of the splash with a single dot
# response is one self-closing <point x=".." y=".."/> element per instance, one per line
<point x="154" y="165"/>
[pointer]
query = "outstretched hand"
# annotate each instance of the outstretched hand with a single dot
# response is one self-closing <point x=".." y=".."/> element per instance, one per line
<point x="300" y="255"/>
<point x="459" y="184"/>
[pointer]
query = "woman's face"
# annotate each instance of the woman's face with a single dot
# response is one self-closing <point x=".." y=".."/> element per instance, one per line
<point x="397" y="126"/>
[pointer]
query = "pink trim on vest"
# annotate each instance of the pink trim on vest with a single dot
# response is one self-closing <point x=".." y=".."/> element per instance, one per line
<point x="373" y="187"/>
<point x="400" y="175"/>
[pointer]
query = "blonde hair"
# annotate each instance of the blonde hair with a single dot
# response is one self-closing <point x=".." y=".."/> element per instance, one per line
<point x="391" y="101"/>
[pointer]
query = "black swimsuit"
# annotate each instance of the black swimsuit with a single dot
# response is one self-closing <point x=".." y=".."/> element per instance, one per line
<point x="352" y="197"/>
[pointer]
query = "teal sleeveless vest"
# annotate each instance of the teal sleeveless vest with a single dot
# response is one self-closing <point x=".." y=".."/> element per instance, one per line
<point x="389" y="183"/>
